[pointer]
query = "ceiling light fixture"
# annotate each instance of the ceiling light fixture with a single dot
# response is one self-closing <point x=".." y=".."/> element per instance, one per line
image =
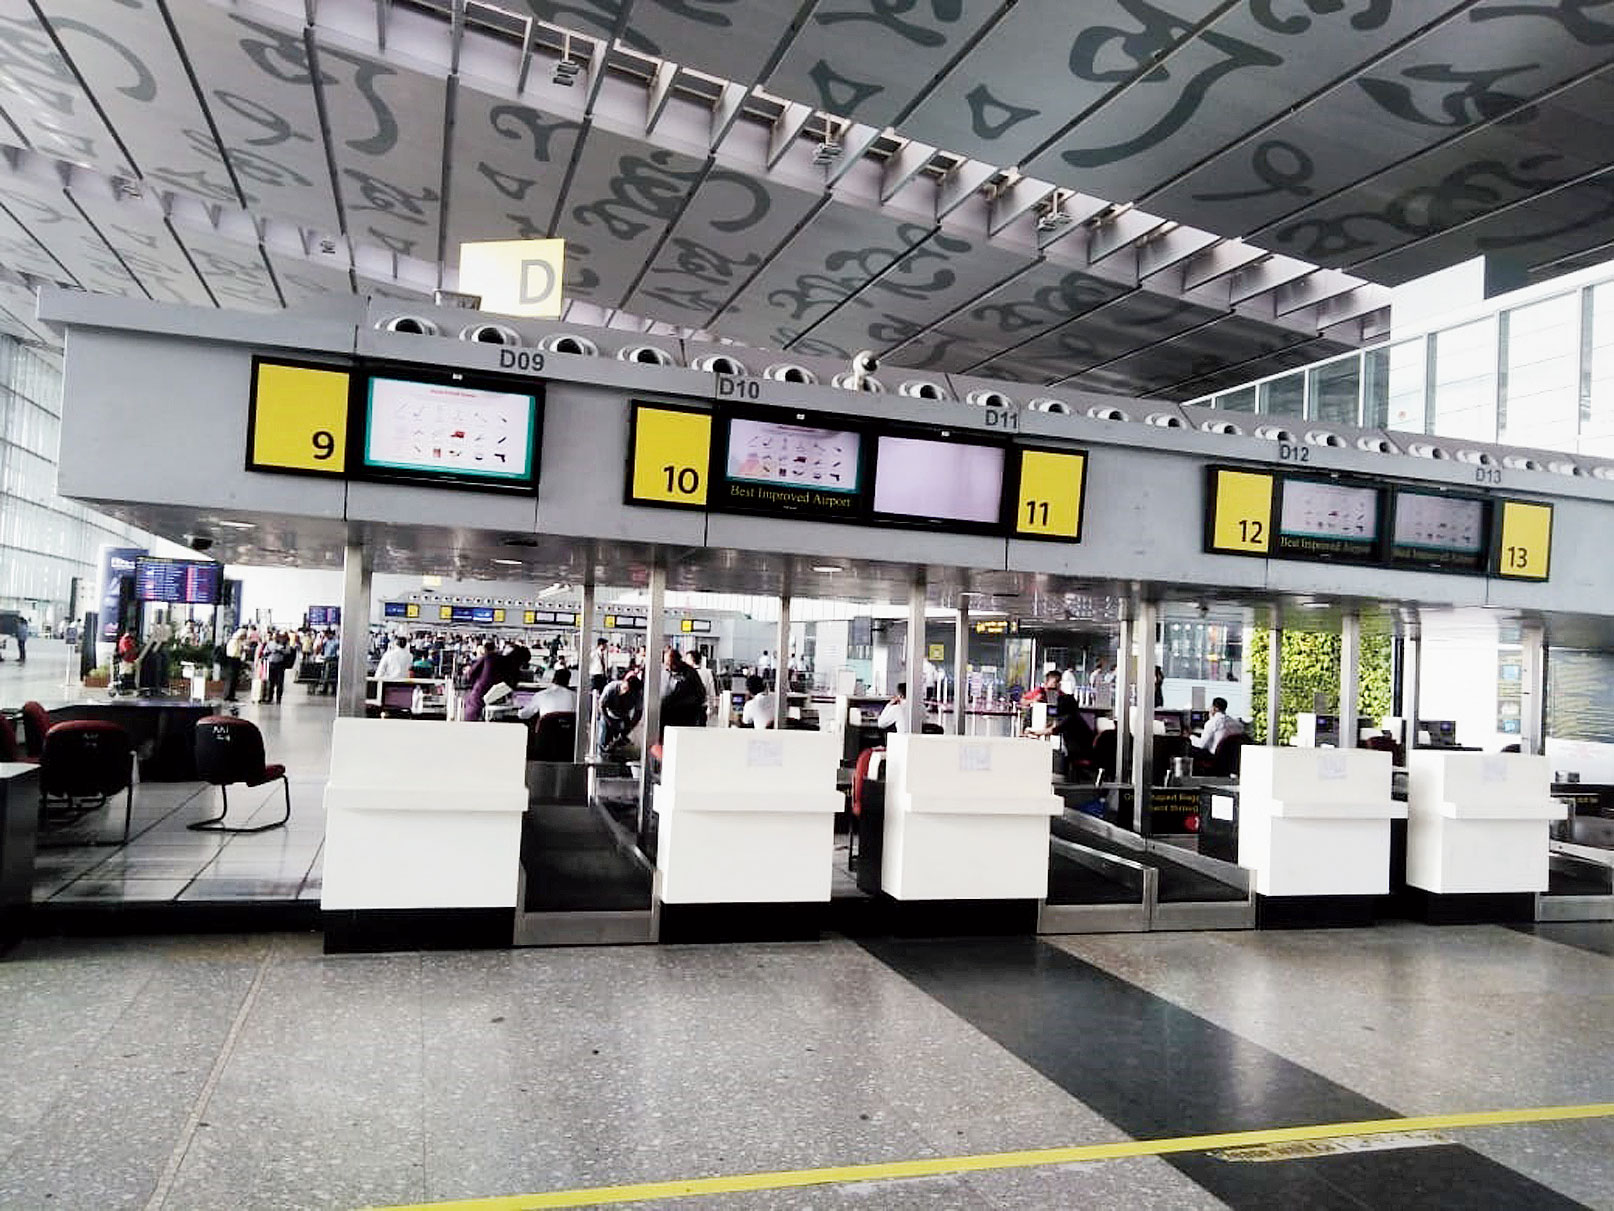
<point x="827" y="567"/>
<point x="238" y="525"/>
<point x="509" y="563"/>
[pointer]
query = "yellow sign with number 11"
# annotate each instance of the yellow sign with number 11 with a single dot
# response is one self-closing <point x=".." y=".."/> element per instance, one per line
<point x="1050" y="499"/>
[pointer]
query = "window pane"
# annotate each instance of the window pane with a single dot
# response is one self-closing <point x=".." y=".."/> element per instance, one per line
<point x="1541" y="406"/>
<point x="1465" y="381"/>
<point x="1284" y="396"/>
<point x="1334" y="392"/>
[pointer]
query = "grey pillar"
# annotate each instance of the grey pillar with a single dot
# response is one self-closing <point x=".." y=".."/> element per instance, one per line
<point x="916" y="653"/>
<point x="1350" y="658"/>
<point x="1532" y="689"/>
<point x="961" y="663"/>
<point x="652" y="683"/>
<point x="782" y="652"/>
<point x="1122" y="687"/>
<point x="1411" y="677"/>
<point x="1148" y="615"/>
<point x="1274" y="682"/>
<point x="586" y="704"/>
<point x="354" y="660"/>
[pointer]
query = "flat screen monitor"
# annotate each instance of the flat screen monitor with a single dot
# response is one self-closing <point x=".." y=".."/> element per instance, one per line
<point x="809" y="466"/>
<point x="450" y="428"/>
<point x="324" y="616"/>
<point x="1438" y="531"/>
<point x="179" y="581"/>
<point x="921" y="479"/>
<point x="1321" y="519"/>
<point x="395" y="609"/>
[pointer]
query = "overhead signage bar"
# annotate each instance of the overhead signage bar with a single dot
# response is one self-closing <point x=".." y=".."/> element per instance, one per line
<point x="780" y="462"/>
<point x="1357" y="520"/>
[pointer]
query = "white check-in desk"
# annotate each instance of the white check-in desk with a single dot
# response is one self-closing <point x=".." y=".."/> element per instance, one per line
<point x="1477" y="833"/>
<point x="745" y="818"/>
<point x="967" y="818"/>
<point x="1314" y="829"/>
<point x="422" y="834"/>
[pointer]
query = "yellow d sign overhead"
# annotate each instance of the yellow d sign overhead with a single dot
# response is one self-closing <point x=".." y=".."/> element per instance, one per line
<point x="515" y="277"/>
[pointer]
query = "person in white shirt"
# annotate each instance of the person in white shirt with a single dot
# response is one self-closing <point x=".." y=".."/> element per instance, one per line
<point x="599" y="666"/>
<point x="895" y="715"/>
<point x="765" y="667"/>
<point x="709" y="683"/>
<point x="1067" y="682"/>
<point x="395" y="663"/>
<point x="762" y="707"/>
<point x="558" y="696"/>
<point x="1218" y="727"/>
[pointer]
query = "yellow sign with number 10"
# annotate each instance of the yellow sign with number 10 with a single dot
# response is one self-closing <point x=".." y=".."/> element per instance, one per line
<point x="299" y="418"/>
<point x="672" y="450"/>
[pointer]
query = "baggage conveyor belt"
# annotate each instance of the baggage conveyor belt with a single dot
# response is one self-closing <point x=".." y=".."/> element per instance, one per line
<point x="1179" y="883"/>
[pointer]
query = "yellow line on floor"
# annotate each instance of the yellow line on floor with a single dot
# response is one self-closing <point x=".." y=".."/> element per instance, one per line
<point x="597" y="1196"/>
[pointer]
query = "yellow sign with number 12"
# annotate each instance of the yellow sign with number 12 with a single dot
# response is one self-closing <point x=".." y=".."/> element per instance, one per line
<point x="1243" y="520"/>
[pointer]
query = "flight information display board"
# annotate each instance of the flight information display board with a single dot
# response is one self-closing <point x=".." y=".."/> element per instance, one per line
<point x="400" y="609"/>
<point x="178" y="581"/>
<point x="481" y="615"/>
<point x="1327" y="519"/>
<point x="1439" y="533"/>
<point x="447" y="427"/>
<point x="324" y="616"/>
<point x="950" y="484"/>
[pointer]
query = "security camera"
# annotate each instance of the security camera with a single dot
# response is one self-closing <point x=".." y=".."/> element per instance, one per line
<point x="199" y="542"/>
<point x="864" y="363"/>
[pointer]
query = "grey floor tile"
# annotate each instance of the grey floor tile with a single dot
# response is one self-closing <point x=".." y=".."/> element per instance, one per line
<point x="118" y="889"/>
<point x="242" y="888"/>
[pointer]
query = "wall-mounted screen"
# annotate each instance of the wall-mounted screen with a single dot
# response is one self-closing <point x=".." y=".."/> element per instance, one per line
<point x="1322" y="518"/>
<point x="448" y="427"/>
<point x="324" y="616"/>
<point x="1439" y="532"/>
<point x="790" y="465"/>
<point x="180" y="581"/>
<point x="922" y="479"/>
<point x="395" y="609"/>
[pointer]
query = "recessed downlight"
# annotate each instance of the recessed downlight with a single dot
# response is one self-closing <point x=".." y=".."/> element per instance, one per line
<point x="509" y="563"/>
<point x="238" y="525"/>
<point x="828" y="567"/>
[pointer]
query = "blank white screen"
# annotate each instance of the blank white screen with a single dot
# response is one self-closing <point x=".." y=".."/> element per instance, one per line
<point x="915" y="477"/>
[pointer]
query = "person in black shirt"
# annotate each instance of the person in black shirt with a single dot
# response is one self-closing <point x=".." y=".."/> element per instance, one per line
<point x="1065" y="722"/>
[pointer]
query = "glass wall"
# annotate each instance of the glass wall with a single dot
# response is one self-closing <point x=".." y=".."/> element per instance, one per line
<point x="1539" y="374"/>
<point x="45" y="541"/>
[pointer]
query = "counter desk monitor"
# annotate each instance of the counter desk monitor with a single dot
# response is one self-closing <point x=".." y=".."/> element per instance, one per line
<point x="1316" y="731"/>
<point x="1437" y="733"/>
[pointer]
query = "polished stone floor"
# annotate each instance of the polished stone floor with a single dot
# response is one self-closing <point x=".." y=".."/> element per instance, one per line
<point x="164" y="862"/>
<point x="228" y="1072"/>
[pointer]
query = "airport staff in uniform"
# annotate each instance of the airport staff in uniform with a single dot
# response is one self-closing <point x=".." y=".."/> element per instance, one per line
<point x="1218" y="727"/>
<point x="395" y="663"/>
<point x="599" y="666"/>
<point x="557" y="696"/>
<point x="1064" y="721"/>
<point x="894" y="718"/>
<point x="762" y="707"/>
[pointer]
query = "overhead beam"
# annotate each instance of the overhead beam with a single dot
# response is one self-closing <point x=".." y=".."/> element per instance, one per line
<point x="1014" y="201"/>
<point x="1227" y="257"/>
<point x="904" y="167"/>
<point x="660" y="93"/>
<point x="855" y="141"/>
<point x="787" y="130"/>
<point x="727" y="112"/>
<point x="960" y="185"/>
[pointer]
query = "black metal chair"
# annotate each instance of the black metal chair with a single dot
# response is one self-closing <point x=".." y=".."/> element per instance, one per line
<point x="83" y="764"/>
<point x="554" y="738"/>
<point x="230" y="750"/>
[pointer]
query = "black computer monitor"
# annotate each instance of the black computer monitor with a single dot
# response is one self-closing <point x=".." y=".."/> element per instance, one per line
<point x="1197" y="719"/>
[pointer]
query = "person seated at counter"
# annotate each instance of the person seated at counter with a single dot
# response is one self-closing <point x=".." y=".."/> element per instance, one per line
<point x="621" y="708"/>
<point x="762" y="707"/>
<point x="557" y="696"/>
<point x="395" y="664"/>
<point x="1064" y="721"/>
<point x="894" y="715"/>
<point x="1217" y="728"/>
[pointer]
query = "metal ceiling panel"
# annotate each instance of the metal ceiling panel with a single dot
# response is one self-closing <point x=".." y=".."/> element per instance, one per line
<point x="256" y="80"/>
<point x="387" y="116"/>
<point x="235" y="272"/>
<point x="303" y="281"/>
<point x="1042" y="65"/>
<point x="125" y="53"/>
<point x="938" y="351"/>
<point x="1047" y="296"/>
<point x="941" y="274"/>
<point x="732" y="44"/>
<point x="623" y="197"/>
<point x="726" y="233"/>
<point x="1305" y="352"/>
<point x="16" y="310"/>
<point x="42" y="207"/>
<point x="143" y="241"/>
<point x="1252" y="63"/>
<point x="1228" y="341"/>
<point x="383" y="289"/>
<point x="842" y="61"/>
<point x="510" y="163"/>
<point x="1100" y="335"/>
<point x="1479" y="66"/>
<point x="839" y="250"/>
<point x="43" y="98"/>
<point x="1550" y="143"/>
<point x="21" y="253"/>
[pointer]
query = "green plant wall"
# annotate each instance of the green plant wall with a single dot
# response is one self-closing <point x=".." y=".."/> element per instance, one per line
<point x="1311" y="667"/>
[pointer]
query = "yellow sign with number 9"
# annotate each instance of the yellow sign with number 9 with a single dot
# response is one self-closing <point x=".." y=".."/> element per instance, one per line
<point x="298" y="419"/>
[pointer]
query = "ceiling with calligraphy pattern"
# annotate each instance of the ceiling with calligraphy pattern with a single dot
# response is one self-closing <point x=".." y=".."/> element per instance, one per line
<point x="1141" y="196"/>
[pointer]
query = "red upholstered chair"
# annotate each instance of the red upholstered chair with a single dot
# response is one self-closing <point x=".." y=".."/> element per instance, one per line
<point x="230" y="750"/>
<point x="860" y="774"/>
<point x="35" y="723"/>
<point x="84" y="763"/>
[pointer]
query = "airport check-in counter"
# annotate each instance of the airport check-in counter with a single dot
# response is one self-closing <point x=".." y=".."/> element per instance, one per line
<point x="422" y="834"/>
<point x="744" y="817"/>
<point x="967" y="818"/>
<point x="1477" y="832"/>
<point x="1314" y="827"/>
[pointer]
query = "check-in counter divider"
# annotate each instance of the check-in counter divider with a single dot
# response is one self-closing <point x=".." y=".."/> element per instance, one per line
<point x="1478" y="847"/>
<point x="422" y="835"/>
<point x="1314" y="827"/>
<point x="745" y="841"/>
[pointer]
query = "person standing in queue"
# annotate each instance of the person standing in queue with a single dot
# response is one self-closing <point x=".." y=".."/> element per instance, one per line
<point x="894" y="717"/>
<point x="277" y="658"/>
<point x="599" y="666"/>
<point x="683" y="697"/>
<point x="22" y="640"/>
<point x="761" y="707"/>
<point x="480" y="678"/>
<point x="765" y="667"/>
<point x="1065" y="722"/>
<point x="621" y="708"/>
<point x="708" y="683"/>
<point x="230" y="664"/>
<point x="395" y="662"/>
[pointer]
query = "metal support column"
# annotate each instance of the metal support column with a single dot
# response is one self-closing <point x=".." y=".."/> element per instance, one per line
<point x="1143" y="628"/>
<point x="915" y="701"/>
<point x="1350" y="661"/>
<point x="353" y="661"/>
<point x="653" y="673"/>
<point x="587" y="703"/>
<point x="1121" y="697"/>
<point x="961" y="664"/>
<point x="1532" y="689"/>
<point x="781" y="661"/>
<point x="1274" y="682"/>
<point x="1411" y="677"/>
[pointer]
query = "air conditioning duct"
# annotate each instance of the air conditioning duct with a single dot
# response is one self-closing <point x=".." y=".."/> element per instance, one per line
<point x="990" y="399"/>
<point x="1426" y="450"/>
<point x="921" y="388"/>
<point x="1322" y="437"/>
<point x="1224" y="427"/>
<point x="1273" y="433"/>
<point x="411" y="325"/>
<point x="646" y="355"/>
<point x="851" y="382"/>
<point x="490" y="334"/>
<point x="571" y="343"/>
<point x="720" y="363"/>
<point x="1102" y="413"/>
<point x="1053" y="407"/>
<point x="789" y="372"/>
<point x="1519" y="462"/>
<point x="1376" y="445"/>
<point x="1477" y="458"/>
<point x="1165" y="420"/>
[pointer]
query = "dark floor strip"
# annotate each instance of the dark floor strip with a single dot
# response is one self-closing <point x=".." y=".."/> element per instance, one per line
<point x="1595" y="936"/>
<point x="1156" y="1070"/>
